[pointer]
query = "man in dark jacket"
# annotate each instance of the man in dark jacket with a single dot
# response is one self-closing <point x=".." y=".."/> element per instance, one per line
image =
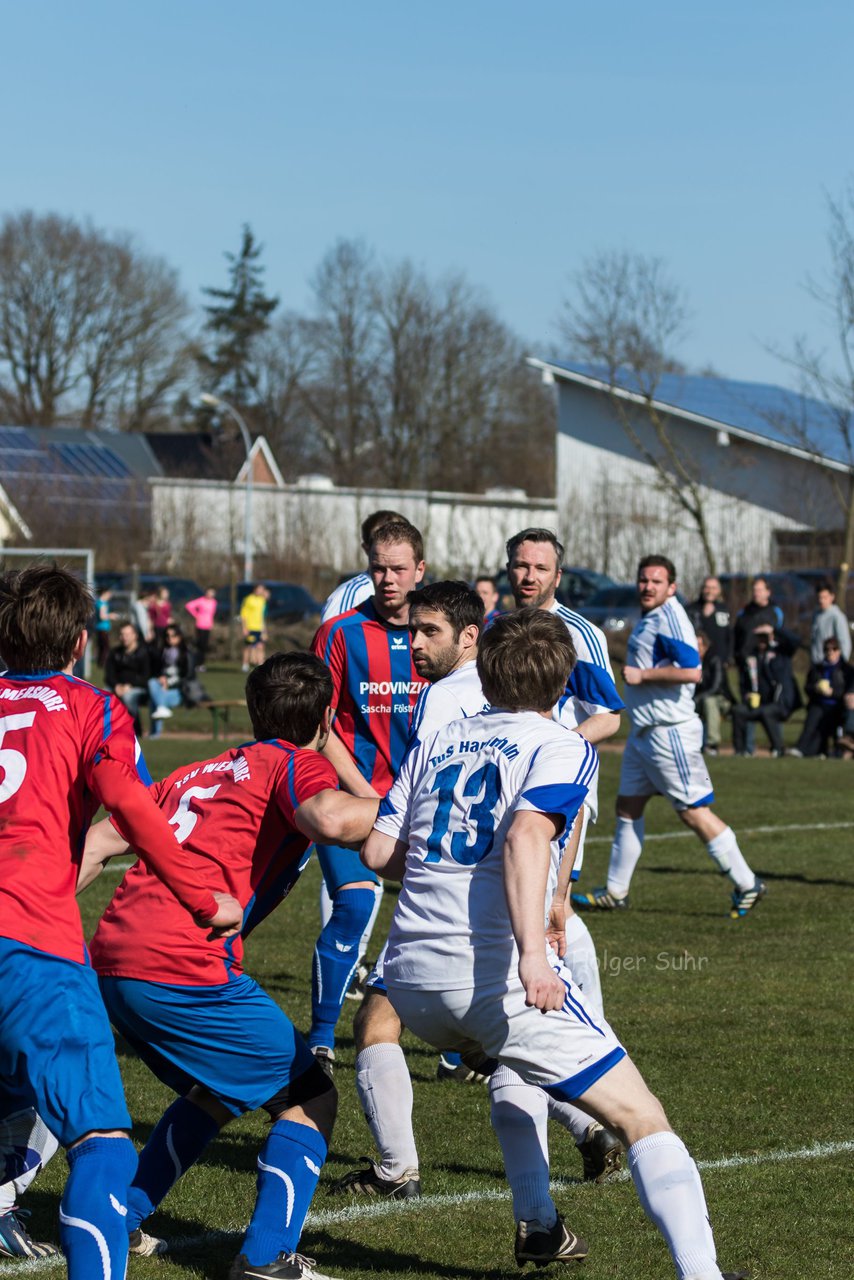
<point x="760" y="612"/>
<point x="710" y="615"/>
<point x="128" y="669"/>
<point x="768" y="688"/>
<point x="827" y="684"/>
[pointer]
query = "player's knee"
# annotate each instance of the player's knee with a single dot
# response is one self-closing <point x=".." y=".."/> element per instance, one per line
<point x="631" y="807"/>
<point x="376" y="1021"/>
<point x="312" y="1096"/>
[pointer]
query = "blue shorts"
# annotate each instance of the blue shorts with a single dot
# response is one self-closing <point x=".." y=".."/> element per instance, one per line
<point x="342" y="866"/>
<point x="57" y="1052"/>
<point x="232" y="1038"/>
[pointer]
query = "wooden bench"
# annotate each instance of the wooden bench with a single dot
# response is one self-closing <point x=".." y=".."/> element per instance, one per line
<point x="220" y="712"/>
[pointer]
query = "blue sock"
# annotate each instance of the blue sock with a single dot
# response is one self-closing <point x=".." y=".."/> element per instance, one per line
<point x="180" y="1137"/>
<point x="93" y="1209"/>
<point x="335" y="958"/>
<point x="289" y="1166"/>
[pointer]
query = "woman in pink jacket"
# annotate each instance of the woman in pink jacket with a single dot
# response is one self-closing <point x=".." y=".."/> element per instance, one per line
<point x="202" y="611"/>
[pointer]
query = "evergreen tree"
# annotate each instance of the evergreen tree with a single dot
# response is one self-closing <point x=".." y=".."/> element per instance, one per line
<point x="236" y="319"/>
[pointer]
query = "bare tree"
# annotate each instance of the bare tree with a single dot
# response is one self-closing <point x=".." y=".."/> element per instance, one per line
<point x="828" y="376"/>
<point x="625" y="315"/>
<point x="89" y="326"/>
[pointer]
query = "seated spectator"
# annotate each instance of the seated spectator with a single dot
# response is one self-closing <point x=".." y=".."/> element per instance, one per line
<point x="769" y="691"/>
<point x="174" y="664"/>
<point x="760" y="612"/>
<point x="828" y="623"/>
<point x="827" y="684"/>
<point x="712" y="696"/>
<point x="127" y="670"/>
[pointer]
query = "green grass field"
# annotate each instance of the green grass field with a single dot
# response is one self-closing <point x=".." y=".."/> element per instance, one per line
<point x="739" y="1026"/>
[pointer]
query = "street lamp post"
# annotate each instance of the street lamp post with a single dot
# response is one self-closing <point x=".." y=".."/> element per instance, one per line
<point x="214" y="402"/>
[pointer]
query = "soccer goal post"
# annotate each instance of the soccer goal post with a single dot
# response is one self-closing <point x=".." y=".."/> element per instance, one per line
<point x="33" y="555"/>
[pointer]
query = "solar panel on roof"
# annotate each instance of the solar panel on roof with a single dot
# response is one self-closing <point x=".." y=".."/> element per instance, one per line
<point x="91" y="460"/>
<point x="16" y="438"/>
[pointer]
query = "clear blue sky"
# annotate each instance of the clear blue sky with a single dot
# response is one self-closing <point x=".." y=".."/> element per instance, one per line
<point x="504" y="139"/>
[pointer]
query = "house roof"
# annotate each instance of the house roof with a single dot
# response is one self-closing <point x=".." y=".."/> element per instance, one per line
<point x="761" y="411"/>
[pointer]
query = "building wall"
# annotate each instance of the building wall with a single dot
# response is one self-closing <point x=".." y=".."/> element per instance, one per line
<point x="612" y="506"/>
<point x="463" y="533"/>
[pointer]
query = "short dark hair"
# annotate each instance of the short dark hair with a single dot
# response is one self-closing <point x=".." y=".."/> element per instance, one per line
<point x="486" y="577"/>
<point x="825" y="585"/>
<point x="658" y="562"/>
<point x="375" y="520"/>
<point x="535" y="535"/>
<point x="455" y="600"/>
<point x="525" y="660"/>
<point x="43" y="610"/>
<point x="287" y="696"/>
<point x="399" y="531"/>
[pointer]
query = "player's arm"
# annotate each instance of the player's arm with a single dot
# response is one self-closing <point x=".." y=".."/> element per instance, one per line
<point x="560" y="905"/>
<point x="345" y="766"/>
<point x="527" y="854"/>
<point x="103" y="842"/>
<point x="387" y="856"/>
<point x="662" y="675"/>
<point x="599" y="727"/>
<point x="143" y="826"/>
<point x="591" y="685"/>
<point x="332" y="817"/>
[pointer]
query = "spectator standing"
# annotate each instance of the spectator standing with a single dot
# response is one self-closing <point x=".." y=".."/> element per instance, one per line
<point x="828" y="622"/>
<point x="203" y="610"/>
<point x="160" y="613"/>
<point x="128" y="670"/>
<point x="827" y="684"/>
<point x="253" y="620"/>
<point x="174" y="664"/>
<point x="759" y="612"/>
<point x="142" y="607"/>
<point x="712" y="696"/>
<point x="775" y="695"/>
<point x="710" y="616"/>
<point x="485" y="587"/>
<point x="103" y="619"/>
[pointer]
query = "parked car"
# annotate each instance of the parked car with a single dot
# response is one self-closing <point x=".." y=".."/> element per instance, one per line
<point x="288" y="601"/>
<point x="180" y="589"/>
<point x="615" y="608"/>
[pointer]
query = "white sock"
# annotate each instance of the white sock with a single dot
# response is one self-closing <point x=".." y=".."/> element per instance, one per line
<point x="24" y="1130"/>
<point x="724" y="851"/>
<point x="385" y="1092"/>
<point x="369" y="927"/>
<point x="669" y="1188"/>
<point x="520" y="1120"/>
<point x="582" y="963"/>
<point x="625" y="851"/>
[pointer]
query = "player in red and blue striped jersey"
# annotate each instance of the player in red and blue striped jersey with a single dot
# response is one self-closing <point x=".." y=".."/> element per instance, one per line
<point x="376" y="687"/>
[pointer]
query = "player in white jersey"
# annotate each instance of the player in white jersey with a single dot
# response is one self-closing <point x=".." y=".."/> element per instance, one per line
<point x="471" y="826"/>
<point x="663" y="754"/>
<point x="347" y="595"/>
<point x="445" y="621"/>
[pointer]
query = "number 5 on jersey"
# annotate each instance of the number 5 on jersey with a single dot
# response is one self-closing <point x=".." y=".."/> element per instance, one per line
<point x="184" y="818"/>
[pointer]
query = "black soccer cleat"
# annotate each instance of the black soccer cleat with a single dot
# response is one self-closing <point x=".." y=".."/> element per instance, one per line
<point x="542" y="1245"/>
<point x="16" y="1241"/>
<point x="288" y="1266"/>
<point x="370" y="1182"/>
<point x="601" y="1153"/>
<point x="600" y="899"/>
<point x="325" y="1059"/>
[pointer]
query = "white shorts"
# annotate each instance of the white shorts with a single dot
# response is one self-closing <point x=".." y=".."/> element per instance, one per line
<point x="563" y="1052"/>
<point x="374" y="980"/>
<point x="668" y="761"/>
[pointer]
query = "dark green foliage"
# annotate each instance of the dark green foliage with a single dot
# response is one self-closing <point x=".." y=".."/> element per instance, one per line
<point x="236" y="319"/>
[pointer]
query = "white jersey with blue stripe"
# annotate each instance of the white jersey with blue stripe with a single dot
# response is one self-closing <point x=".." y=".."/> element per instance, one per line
<point x="347" y="596"/>
<point x="591" y="688"/>
<point x="453" y="802"/>
<point x="455" y="697"/>
<point x="664" y="637"/>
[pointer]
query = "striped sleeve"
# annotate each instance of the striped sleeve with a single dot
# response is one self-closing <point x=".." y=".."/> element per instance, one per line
<point x="560" y="777"/>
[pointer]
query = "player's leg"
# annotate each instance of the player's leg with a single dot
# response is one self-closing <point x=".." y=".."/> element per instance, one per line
<point x="722" y="846"/>
<point x="385" y="1092"/>
<point x="635" y="790"/>
<point x="665" y="1176"/>
<point x="356" y="894"/>
<point x="26" y="1146"/>
<point x="289" y="1165"/>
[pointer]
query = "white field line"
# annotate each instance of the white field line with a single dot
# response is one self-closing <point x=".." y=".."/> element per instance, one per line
<point x="118" y="866"/>
<point x="384" y="1208"/>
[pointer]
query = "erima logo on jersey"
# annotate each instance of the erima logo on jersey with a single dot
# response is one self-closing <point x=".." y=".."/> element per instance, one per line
<point x="398" y="642"/>
<point x="391" y="686"/>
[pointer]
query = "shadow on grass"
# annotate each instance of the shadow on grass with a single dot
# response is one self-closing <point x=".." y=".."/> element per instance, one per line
<point x="796" y="877"/>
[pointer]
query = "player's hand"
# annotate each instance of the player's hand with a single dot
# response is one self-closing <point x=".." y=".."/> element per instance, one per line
<point x="228" y="919"/>
<point x="556" y="928"/>
<point x="543" y="988"/>
<point x="633" y="675"/>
